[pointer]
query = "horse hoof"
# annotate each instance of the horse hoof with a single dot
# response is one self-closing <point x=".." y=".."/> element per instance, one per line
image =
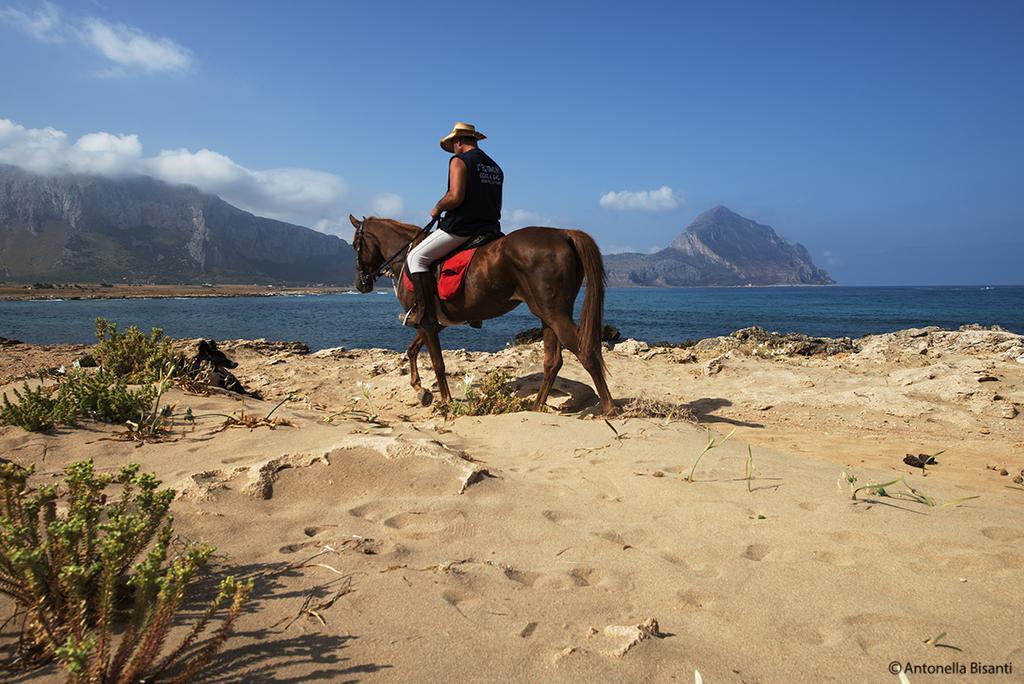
<point x="426" y="398"/>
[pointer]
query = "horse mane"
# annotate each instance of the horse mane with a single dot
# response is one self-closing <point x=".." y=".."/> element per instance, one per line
<point x="397" y="225"/>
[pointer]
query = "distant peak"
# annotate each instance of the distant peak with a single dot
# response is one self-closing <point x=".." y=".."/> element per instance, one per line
<point x="719" y="212"/>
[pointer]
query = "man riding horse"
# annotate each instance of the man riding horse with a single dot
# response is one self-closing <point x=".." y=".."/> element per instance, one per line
<point x="539" y="266"/>
<point x="472" y="207"/>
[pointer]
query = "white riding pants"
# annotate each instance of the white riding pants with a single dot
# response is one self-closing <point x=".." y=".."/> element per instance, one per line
<point x="433" y="247"/>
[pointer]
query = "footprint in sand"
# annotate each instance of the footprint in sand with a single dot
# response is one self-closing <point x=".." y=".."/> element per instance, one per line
<point x="809" y="505"/>
<point x="691" y="598"/>
<point x="527" y="579"/>
<point x="756" y="552"/>
<point x="372" y="511"/>
<point x="833" y="558"/>
<point x="558" y="517"/>
<point x="613" y="537"/>
<point x="585" y="577"/>
<point x="1003" y="534"/>
<point x="699" y="570"/>
<point x="448" y="523"/>
<point x="403" y="520"/>
<point x="803" y="634"/>
<point x="872" y="640"/>
<point x="453" y="598"/>
<point x="313" y="531"/>
<point x="292" y="548"/>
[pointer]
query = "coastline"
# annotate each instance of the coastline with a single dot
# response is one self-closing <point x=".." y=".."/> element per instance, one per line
<point x="26" y="292"/>
<point x="15" y="292"/>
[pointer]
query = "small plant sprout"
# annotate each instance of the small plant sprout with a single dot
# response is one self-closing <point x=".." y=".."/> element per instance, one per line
<point x="245" y="420"/>
<point x="749" y="468"/>
<point x="847" y="479"/>
<point x="364" y="391"/>
<point x="910" y="494"/>
<point x="930" y="459"/>
<point x="712" y="443"/>
<point x="367" y="415"/>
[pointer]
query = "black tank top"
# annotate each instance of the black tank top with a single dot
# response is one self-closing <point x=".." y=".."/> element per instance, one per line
<point x="480" y="211"/>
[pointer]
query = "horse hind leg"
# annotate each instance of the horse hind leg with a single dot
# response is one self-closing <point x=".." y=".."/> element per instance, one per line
<point x="413" y="352"/>
<point x="552" y="364"/>
<point x="590" y="359"/>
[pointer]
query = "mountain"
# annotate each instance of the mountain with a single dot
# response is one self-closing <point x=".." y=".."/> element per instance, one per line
<point x="90" y="228"/>
<point x="720" y="247"/>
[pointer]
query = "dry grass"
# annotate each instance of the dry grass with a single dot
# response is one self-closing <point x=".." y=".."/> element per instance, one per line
<point x="652" y="408"/>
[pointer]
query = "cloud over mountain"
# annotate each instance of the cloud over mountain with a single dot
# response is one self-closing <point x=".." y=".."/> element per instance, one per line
<point x="298" y="195"/>
<point x="662" y="199"/>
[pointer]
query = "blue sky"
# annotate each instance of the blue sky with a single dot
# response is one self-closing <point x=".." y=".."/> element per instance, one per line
<point x="885" y="137"/>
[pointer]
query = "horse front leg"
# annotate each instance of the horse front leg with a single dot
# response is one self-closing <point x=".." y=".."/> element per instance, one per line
<point x="413" y="352"/>
<point x="552" y="364"/>
<point x="437" y="361"/>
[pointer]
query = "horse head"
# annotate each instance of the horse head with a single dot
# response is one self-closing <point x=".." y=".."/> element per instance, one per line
<point x="368" y="255"/>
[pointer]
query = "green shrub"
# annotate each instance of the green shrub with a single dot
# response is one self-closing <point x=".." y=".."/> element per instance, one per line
<point x="35" y="410"/>
<point x="69" y="567"/>
<point x="104" y="397"/>
<point x="96" y="396"/>
<point x="494" y="395"/>
<point x="133" y="355"/>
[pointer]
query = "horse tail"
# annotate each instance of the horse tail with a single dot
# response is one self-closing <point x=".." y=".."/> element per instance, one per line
<point x="591" y="317"/>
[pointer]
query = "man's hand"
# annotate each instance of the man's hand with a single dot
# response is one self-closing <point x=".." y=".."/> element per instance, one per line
<point x="435" y="213"/>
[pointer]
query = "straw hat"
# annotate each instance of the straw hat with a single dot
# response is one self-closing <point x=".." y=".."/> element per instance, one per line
<point x="460" y="130"/>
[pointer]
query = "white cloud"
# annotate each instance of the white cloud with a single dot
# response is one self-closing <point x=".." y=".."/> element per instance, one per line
<point x="387" y="205"/>
<point x="628" y="249"/>
<point x="293" y="194"/>
<point x="130" y="49"/>
<point x="36" y="149"/>
<point x="44" y="24"/>
<point x="298" y="195"/>
<point x="662" y="199"/>
<point x="105" y="153"/>
<point x="521" y="217"/>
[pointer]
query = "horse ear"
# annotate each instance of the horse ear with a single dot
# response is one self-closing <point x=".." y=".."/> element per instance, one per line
<point x="354" y="220"/>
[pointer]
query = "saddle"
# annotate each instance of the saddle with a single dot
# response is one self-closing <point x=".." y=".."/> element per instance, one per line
<point x="450" y="270"/>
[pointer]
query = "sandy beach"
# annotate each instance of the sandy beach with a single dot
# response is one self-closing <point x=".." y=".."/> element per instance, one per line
<point x="540" y="546"/>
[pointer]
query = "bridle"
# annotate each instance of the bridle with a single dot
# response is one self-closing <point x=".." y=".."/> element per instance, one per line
<point x="385" y="267"/>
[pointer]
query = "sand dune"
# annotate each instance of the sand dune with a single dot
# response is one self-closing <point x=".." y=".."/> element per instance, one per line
<point x="538" y="546"/>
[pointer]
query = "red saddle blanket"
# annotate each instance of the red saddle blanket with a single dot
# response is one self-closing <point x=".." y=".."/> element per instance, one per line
<point x="453" y="272"/>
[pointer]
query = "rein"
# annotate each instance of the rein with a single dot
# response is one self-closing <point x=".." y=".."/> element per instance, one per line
<point x="386" y="265"/>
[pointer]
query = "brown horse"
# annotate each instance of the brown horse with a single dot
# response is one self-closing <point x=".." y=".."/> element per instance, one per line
<point x="543" y="267"/>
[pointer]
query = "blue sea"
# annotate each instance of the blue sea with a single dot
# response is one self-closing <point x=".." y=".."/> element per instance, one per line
<point x="356" y="320"/>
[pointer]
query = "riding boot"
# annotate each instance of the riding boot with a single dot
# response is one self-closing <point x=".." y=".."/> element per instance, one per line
<point x="423" y="287"/>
